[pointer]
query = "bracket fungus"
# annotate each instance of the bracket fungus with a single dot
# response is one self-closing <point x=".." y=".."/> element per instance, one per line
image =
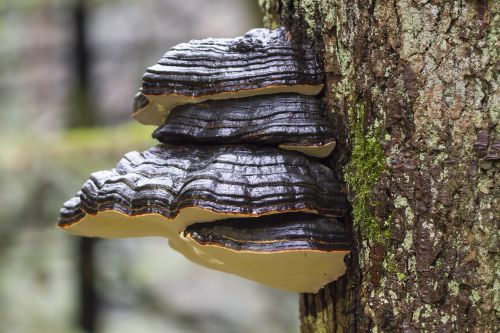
<point x="286" y="251"/>
<point x="260" y="62"/>
<point x="289" y="121"/>
<point x="161" y="191"/>
<point x="231" y="185"/>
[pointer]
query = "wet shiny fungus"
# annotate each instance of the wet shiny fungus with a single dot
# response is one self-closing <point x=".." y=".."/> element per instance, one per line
<point x="289" y="121"/>
<point x="232" y="186"/>
<point x="260" y="62"/>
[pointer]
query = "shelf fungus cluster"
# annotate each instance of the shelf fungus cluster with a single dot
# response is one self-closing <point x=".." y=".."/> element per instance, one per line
<point x="235" y="183"/>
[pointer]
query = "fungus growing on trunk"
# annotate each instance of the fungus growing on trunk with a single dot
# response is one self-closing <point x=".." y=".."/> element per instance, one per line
<point x="287" y="251"/>
<point x="260" y="62"/>
<point x="163" y="190"/>
<point x="229" y="185"/>
<point x="289" y="121"/>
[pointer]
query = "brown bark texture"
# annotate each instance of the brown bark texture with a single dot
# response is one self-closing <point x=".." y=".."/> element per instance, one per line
<point x="413" y="91"/>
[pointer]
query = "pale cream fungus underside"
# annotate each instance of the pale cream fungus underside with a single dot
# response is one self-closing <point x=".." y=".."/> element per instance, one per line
<point x="159" y="106"/>
<point x="302" y="271"/>
<point x="320" y="151"/>
<point x="298" y="270"/>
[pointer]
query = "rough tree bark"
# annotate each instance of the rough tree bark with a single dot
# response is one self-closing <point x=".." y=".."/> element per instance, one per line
<point x="413" y="91"/>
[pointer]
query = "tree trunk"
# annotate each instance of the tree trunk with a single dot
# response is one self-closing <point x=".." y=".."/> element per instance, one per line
<point x="413" y="92"/>
<point x="82" y="113"/>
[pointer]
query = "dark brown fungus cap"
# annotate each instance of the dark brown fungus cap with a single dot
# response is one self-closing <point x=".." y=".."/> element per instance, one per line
<point x="273" y="233"/>
<point x="290" y="121"/>
<point x="161" y="191"/>
<point x="262" y="61"/>
<point x="286" y="251"/>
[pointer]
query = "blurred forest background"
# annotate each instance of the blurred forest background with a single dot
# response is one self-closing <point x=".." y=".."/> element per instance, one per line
<point x="68" y="72"/>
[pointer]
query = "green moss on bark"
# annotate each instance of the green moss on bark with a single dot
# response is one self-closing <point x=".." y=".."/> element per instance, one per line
<point x="362" y="173"/>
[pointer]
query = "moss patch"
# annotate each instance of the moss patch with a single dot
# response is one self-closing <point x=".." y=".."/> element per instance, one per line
<point x="363" y="172"/>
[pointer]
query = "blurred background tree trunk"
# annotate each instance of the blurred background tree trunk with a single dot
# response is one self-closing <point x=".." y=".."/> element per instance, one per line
<point x="83" y="114"/>
<point x="413" y="93"/>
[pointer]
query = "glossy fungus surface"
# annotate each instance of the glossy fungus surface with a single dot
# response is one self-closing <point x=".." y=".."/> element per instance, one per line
<point x="289" y="121"/>
<point x="262" y="61"/>
<point x="169" y="187"/>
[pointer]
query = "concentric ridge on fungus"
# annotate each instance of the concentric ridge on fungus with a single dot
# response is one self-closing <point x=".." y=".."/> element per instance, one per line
<point x="262" y="61"/>
<point x="290" y="121"/>
<point x="272" y="233"/>
<point x="173" y="186"/>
